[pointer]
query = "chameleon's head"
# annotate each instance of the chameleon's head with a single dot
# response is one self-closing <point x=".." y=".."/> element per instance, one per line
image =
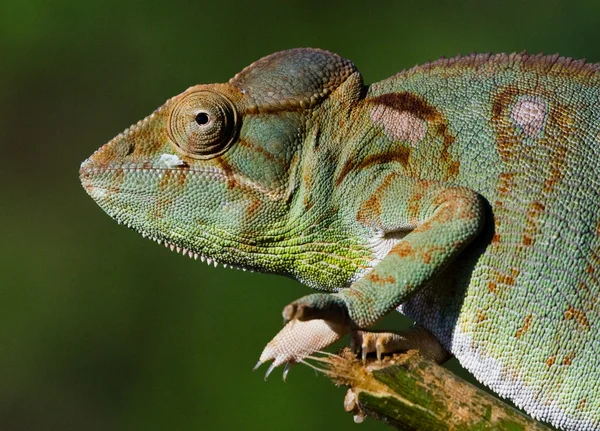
<point x="212" y="171"/>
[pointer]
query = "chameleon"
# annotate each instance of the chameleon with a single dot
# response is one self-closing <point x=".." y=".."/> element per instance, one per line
<point x="463" y="193"/>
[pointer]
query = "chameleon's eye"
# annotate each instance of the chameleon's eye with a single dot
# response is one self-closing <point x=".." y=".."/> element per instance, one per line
<point x="203" y="124"/>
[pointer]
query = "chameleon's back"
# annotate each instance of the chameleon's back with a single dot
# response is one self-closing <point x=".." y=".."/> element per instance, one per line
<point x="521" y="312"/>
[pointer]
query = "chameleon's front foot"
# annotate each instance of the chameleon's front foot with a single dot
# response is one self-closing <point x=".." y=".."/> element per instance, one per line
<point x="312" y="323"/>
<point x="297" y="340"/>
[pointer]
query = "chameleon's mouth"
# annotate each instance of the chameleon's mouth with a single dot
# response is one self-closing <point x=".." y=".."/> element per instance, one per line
<point x="193" y="255"/>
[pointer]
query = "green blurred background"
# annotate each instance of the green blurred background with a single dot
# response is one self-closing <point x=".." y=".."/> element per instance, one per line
<point x="103" y="330"/>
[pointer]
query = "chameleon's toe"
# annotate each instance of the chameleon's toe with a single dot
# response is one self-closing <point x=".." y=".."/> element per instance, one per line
<point x="416" y="337"/>
<point x="297" y="340"/>
<point x="377" y="342"/>
<point x="317" y="306"/>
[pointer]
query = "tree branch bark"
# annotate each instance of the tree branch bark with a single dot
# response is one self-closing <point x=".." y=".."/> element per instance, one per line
<point x="411" y="393"/>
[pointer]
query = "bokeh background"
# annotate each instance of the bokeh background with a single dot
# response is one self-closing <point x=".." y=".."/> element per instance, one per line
<point x="103" y="330"/>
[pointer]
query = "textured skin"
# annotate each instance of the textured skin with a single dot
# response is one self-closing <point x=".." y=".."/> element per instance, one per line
<point x="464" y="192"/>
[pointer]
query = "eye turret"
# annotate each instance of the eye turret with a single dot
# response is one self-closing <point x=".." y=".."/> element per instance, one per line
<point x="203" y="124"/>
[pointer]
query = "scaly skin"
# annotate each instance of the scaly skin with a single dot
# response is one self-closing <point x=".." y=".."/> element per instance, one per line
<point x="464" y="193"/>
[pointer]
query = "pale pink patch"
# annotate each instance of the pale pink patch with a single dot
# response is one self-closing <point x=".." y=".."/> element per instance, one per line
<point x="529" y="115"/>
<point x="399" y="125"/>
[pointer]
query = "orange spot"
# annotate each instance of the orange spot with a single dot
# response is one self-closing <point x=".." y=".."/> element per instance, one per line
<point x="426" y="257"/>
<point x="414" y="203"/>
<point x="402" y="249"/>
<point x="532" y="223"/>
<point x="498" y="278"/>
<point x="505" y="183"/>
<point x="590" y="269"/>
<point x="525" y="327"/>
<point x="568" y="360"/>
<point x="480" y="317"/>
<point x="551" y="360"/>
<point x="496" y="238"/>
<point x="376" y="278"/>
<point x="579" y="316"/>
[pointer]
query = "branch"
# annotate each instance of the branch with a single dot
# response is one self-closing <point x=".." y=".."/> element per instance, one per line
<point x="411" y="393"/>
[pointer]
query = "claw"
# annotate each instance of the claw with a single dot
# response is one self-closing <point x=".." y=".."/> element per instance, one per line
<point x="289" y="312"/>
<point x="379" y="349"/>
<point x="359" y="418"/>
<point x="269" y="370"/>
<point x="286" y="370"/>
<point x="258" y="364"/>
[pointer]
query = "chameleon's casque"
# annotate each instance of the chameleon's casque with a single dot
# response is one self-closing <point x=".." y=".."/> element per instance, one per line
<point x="465" y="193"/>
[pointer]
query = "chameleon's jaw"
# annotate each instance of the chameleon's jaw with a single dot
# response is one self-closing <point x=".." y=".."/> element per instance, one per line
<point x="120" y="190"/>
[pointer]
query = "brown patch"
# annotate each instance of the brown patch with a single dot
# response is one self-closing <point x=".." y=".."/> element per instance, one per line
<point x="370" y="210"/>
<point x="564" y="126"/>
<point x="446" y="212"/>
<point x="497" y="278"/>
<point x="397" y="154"/>
<point x="581" y="404"/>
<point x="590" y="269"/>
<point x="307" y="179"/>
<point x="568" y="360"/>
<point x="505" y="183"/>
<point x="260" y="150"/>
<point x="408" y="102"/>
<point x="579" y="316"/>
<point x="253" y="209"/>
<point x="356" y="294"/>
<point x="414" y="203"/>
<point x="556" y="162"/>
<point x="532" y="223"/>
<point x="227" y="171"/>
<point x="436" y="121"/>
<point x="480" y="316"/>
<point x="551" y="360"/>
<point x="377" y="279"/>
<point x="425" y="257"/>
<point x="506" y="132"/>
<point x="525" y="327"/>
<point x="496" y="238"/>
<point x="402" y="249"/>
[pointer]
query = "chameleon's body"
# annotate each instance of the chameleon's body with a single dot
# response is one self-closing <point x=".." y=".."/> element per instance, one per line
<point x="466" y="192"/>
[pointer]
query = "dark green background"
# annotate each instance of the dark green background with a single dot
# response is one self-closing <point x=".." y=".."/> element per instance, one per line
<point x="103" y="330"/>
